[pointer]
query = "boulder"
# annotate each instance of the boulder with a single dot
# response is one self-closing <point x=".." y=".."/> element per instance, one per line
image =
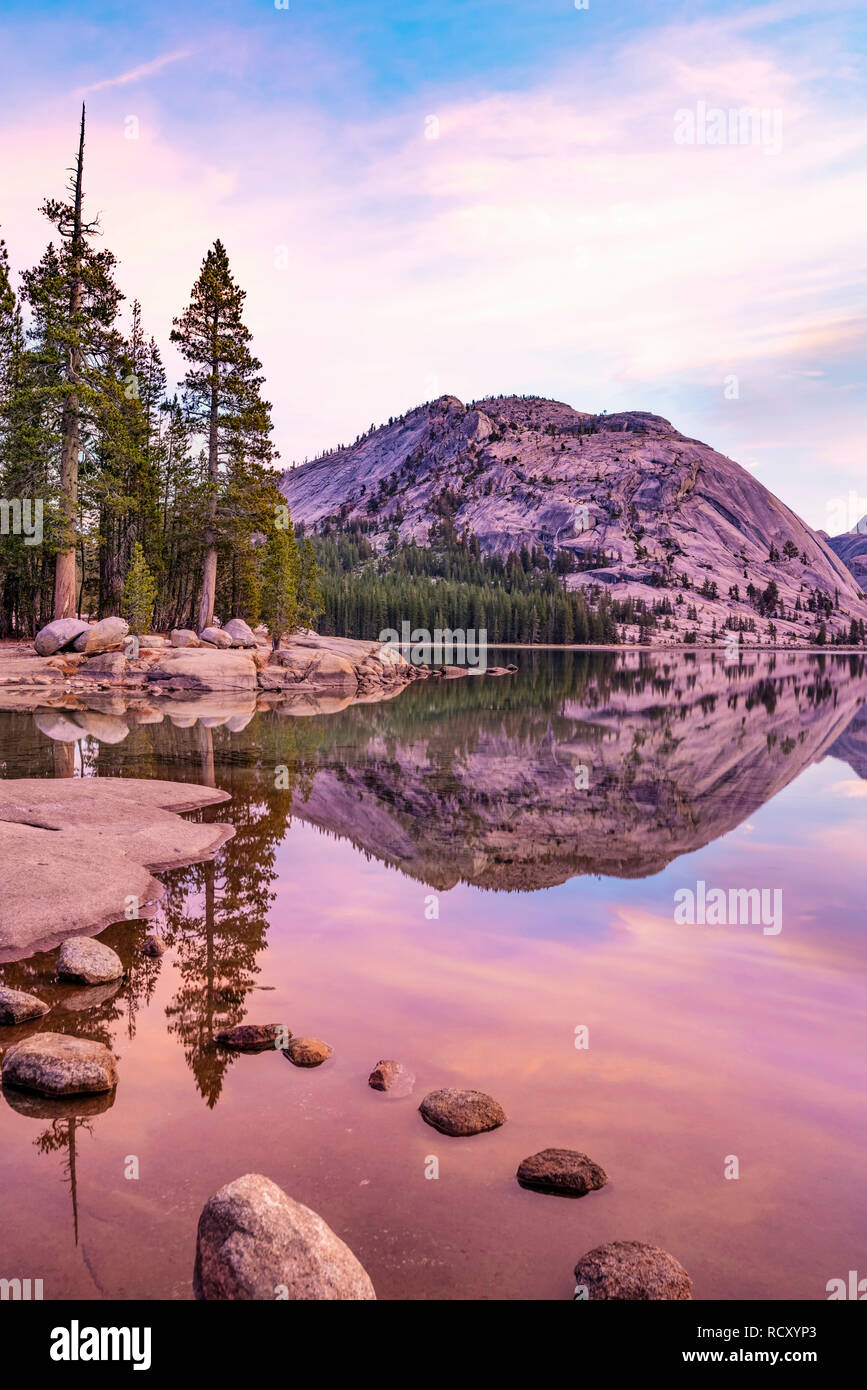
<point x="251" y="1037"/>
<point x="81" y="640"/>
<point x="153" y="945"/>
<point x="18" y="1007"/>
<point x="628" y="1269"/>
<point x="56" y="636"/>
<point x="204" y="670"/>
<point x="183" y="637"/>
<point x="216" y="636"/>
<point x="107" y="665"/>
<point x="86" y="961"/>
<point x="55" y="1064"/>
<point x="563" y="1172"/>
<point x="255" y="1243"/>
<point x="106" y="635"/>
<point x="458" y="1112"/>
<point x="390" y="1076"/>
<point x="240" y="632"/>
<point x="307" y="1052"/>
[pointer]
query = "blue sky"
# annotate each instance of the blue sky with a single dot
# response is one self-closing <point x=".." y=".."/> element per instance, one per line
<point x="479" y="197"/>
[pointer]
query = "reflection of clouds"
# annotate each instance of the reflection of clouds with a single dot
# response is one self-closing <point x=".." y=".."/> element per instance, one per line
<point x="849" y="789"/>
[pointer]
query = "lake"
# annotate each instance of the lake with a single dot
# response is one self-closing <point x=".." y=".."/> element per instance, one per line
<point x="480" y="879"/>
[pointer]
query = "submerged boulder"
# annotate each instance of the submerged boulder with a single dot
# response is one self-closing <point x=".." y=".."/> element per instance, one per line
<point x="390" y="1076"/>
<point x="255" y="1243"/>
<point x="563" y="1172"/>
<point x="56" y="1065"/>
<point x="57" y="636"/>
<point x="629" y="1269"/>
<point x="307" y="1052"/>
<point x="251" y="1037"/>
<point x="459" y="1113"/>
<point x="18" y="1007"/>
<point x="86" y="961"/>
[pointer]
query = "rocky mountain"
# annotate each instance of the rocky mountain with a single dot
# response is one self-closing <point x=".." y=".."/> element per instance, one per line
<point x="851" y="548"/>
<point x="623" y="501"/>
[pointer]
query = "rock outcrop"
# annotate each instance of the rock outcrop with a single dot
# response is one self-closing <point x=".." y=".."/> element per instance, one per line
<point x="75" y="850"/>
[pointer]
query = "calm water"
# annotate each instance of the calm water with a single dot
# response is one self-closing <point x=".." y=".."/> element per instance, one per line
<point x="555" y="912"/>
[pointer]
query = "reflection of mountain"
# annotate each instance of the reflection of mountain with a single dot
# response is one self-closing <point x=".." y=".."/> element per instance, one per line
<point x="476" y="780"/>
<point x="851" y="746"/>
<point x="676" y="755"/>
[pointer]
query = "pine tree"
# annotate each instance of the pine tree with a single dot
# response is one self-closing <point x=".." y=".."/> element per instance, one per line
<point x="310" y="601"/>
<point x="139" y="593"/>
<point x="223" y="402"/>
<point x="280" y="575"/>
<point x="76" y="289"/>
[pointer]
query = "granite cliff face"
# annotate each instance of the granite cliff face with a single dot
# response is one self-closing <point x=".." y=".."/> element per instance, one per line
<point x="654" y="513"/>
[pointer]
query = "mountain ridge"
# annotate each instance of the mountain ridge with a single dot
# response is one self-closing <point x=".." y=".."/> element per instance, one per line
<point x="623" y="502"/>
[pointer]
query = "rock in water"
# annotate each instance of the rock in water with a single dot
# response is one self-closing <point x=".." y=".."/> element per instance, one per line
<point x="153" y="944"/>
<point x="56" y="1065"/>
<point x="54" y="637"/>
<point x="251" y="1037"/>
<point x="459" y="1112"/>
<point x="390" y="1076"/>
<point x="87" y="962"/>
<point x="307" y="1052"/>
<point x="18" y="1007"/>
<point x="628" y="1269"/>
<point x="106" y="635"/>
<point x="255" y="1243"/>
<point x="216" y="636"/>
<point x="240" y="632"/>
<point x="564" y="1172"/>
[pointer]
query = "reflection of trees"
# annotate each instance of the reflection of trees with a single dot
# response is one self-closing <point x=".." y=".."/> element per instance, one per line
<point x="59" y="1137"/>
<point x="218" y="947"/>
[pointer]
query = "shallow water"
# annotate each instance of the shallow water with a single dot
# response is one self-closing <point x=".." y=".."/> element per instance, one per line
<point x="555" y="904"/>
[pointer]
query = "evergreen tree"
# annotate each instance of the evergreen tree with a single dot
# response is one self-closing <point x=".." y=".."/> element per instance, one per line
<point x="310" y="601"/>
<point x="223" y="403"/>
<point x="139" y="593"/>
<point x="280" y="576"/>
<point x="74" y="301"/>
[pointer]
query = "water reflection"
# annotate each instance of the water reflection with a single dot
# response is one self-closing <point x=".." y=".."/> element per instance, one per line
<point x="476" y="784"/>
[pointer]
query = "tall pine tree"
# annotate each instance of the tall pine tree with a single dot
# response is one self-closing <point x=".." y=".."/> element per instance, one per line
<point x="222" y="395"/>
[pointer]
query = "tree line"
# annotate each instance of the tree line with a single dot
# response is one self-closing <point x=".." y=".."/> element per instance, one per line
<point x="162" y="505"/>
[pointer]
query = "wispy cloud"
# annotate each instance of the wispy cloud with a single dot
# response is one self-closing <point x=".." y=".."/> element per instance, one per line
<point x="136" y="74"/>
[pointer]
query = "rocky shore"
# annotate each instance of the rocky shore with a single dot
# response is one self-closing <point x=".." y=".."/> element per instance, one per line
<point x="73" y="658"/>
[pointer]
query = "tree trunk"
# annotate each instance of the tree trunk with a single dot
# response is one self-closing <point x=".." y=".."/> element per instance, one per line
<point x="64" y="572"/>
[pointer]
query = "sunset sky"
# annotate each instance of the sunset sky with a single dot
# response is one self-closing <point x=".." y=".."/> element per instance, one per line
<point x="470" y="197"/>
